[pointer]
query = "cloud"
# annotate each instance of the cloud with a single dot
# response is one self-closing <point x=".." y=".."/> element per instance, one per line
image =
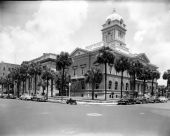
<point x="48" y="30"/>
<point x="152" y="23"/>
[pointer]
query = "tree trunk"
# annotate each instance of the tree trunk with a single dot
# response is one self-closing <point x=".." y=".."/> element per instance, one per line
<point x="105" y="81"/>
<point x="23" y="87"/>
<point x="144" y="87"/>
<point x="29" y="85"/>
<point x="92" y="91"/>
<point x="51" y="87"/>
<point x="134" y="85"/>
<point x="35" y="81"/>
<point x="47" y="89"/>
<point x="152" y="93"/>
<point x="2" y="88"/>
<point x="26" y="86"/>
<point x="8" y="89"/>
<point x="62" y="83"/>
<point x="18" y="84"/>
<point x="13" y="87"/>
<point x="121" y="83"/>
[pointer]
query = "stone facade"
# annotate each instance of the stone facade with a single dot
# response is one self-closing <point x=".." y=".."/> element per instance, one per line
<point x="5" y="69"/>
<point x="113" y="36"/>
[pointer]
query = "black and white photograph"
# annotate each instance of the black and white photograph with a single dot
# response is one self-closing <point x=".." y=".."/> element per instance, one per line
<point x="85" y="68"/>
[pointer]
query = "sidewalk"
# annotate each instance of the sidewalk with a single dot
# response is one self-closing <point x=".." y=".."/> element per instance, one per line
<point x="82" y="101"/>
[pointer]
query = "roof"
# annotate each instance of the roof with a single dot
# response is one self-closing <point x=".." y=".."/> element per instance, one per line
<point x="114" y="16"/>
<point x="9" y="63"/>
<point x="44" y="57"/>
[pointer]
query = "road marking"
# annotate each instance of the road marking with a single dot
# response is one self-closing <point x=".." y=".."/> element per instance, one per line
<point x="141" y="113"/>
<point x="44" y="113"/>
<point x="94" y="114"/>
<point x="110" y="105"/>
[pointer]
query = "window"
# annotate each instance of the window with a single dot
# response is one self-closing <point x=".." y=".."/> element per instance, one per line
<point x="82" y="71"/>
<point x="116" y="85"/>
<point x="127" y="85"/>
<point x="82" y="85"/>
<point x="121" y="21"/>
<point x="97" y="85"/>
<point x="9" y="69"/>
<point x="74" y="72"/>
<point x="110" y="84"/>
<point x="109" y="22"/>
<point x="4" y="68"/>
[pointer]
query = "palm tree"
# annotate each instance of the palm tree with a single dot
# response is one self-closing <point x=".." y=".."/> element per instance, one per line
<point x="35" y="70"/>
<point x="24" y="73"/>
<point x="92" y="77"/>
<point x="52" y="81"/>
<point x="105" y="57"/>
<point x="154" y="75"/>
<point x="63" y="61"/>
<point x="8" y="83"/>
<point x="17" y="78"/>
<point x="46" y="76"/>
<point x="134" y="71"/>
<point x="144" y="75"/>
<point x="121" y="65"/>
<point x="166" y="76"/>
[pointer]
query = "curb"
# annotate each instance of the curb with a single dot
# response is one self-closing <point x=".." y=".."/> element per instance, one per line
<point x="91" y="103"/>
<point x="99" y="103"/>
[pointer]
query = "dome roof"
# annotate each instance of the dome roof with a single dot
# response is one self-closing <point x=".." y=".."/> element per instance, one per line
<point x="114" y="16"/>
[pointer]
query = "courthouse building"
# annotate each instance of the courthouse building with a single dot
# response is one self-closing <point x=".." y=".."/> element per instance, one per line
<point x="113" y="36"/>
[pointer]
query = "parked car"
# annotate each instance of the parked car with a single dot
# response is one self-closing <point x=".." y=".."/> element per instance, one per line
<point x="1" y="95"/>
<point x="123" y="101"/>
<point x="138" y="101"/>
<point x="39" y="98"/>
<point x="26" y="97"/>
<point x="143" y="100"/>
<point x="5" y="96"/>
<point x="162" y="99"/>
<point x="11" y="96"/>
<point x="157" y="100"/>
<point x="131" y="101"/>
<point x="71" y="101"/>
<point x="151" y="100"/>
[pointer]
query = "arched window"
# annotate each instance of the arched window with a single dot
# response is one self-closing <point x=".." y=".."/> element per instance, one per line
<point x="116" y="85"/>
<point x="127" y="86"/>
<point x="110" y="84"/>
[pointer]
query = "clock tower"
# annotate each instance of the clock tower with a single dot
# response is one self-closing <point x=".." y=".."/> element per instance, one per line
<point x="114" y="30"/>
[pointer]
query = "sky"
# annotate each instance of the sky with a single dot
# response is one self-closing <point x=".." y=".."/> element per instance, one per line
<point x="30" y="28"/>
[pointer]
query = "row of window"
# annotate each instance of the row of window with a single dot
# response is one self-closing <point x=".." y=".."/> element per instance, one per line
<point x="116" y="85"/>
<point x="9" y="69"/>
<point x="82" y="71"/>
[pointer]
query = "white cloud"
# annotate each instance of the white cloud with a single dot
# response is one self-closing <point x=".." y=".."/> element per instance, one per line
<point x="152" y="22"/>
<point x="49" y="30"/>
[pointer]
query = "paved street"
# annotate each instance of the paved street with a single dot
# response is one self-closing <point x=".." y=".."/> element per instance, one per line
<point x="18" y="118"/>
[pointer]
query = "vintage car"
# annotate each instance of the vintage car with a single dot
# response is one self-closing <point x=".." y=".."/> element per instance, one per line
<point x="71" y="101"/>
<point x="163" y="99"/>
<point x="123" y="101"/>
<point x="39" y="98"/>
<point x="26" y="97"/>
